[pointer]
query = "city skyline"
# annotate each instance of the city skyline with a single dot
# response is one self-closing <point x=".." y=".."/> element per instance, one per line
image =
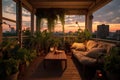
<point x="109" y="15"/>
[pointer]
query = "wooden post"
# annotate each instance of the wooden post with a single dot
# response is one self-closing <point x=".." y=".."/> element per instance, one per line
<point x="88" y="22"/>
<point x="37" y="24"/>
<point x="32" y="23"/>
<point x="19" y="21"/>
<point x="0" y="21"/>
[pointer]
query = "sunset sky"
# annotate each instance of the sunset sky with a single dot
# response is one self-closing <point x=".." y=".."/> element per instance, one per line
<point x="109" y="14"/>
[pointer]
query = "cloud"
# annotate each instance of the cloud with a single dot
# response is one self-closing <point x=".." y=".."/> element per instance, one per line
<point x="9" y="6"/>
<point x="119" y="11"/>
<point x="109" y="13"/>
<point x="116" y="20"/>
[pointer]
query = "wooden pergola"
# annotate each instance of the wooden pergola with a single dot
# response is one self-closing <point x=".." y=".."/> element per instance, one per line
<point x="74" y="7"/>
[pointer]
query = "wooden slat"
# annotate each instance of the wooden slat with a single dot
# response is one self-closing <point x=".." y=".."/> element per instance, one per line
<point x="36" y="71"/>
<point x="58" y="56"/>
<point x="61" y="1"/>
<point x="61" y="4"/>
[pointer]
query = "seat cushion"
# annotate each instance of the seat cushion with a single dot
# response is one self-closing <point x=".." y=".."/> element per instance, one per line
<point x="96" y="52"/>
<point x="87" y="60"/>
<point x="91" y="44"/>
<point x="105" y="45"/>
<point x="74" y="45"/>
<point x="80" y="47"/>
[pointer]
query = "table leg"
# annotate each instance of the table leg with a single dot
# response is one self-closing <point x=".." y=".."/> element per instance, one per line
<point x="65" y="64"/>
<point x="44" y="64"/>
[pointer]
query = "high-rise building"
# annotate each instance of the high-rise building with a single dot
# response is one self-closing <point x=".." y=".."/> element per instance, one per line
<point x="102" y="31"/>
<point x="117" y="34"/>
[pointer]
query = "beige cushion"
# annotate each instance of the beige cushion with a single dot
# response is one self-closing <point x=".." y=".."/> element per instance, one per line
<point x="91" y="44"/>
<point x="106" y="46"/>
<point x="74" y="45"/>
<point x="80" y="46"/>
<point x="95" y="52"/>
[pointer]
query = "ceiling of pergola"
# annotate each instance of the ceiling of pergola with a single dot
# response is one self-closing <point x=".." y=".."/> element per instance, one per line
<point x="83" y="5"/>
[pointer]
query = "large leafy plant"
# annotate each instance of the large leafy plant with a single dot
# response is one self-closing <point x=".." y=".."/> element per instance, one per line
<point x="8" y="67"/>
<point x="112" y="61"/>
<point x="83" y="35"/>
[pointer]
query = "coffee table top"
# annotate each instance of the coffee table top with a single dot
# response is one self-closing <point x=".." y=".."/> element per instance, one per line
<point x="60" y="55"/>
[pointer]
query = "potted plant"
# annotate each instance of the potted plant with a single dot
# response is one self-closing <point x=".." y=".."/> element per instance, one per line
<point x="9" y="69"/>
<point x="112" y="64"/>
<point x="8" y="63"/>
<point x="23" y="55"/>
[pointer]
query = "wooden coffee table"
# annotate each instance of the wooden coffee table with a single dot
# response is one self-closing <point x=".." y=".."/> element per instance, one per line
<point x="59" y="56"/>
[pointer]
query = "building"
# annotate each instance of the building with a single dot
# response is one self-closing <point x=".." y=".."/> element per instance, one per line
<point x="102" y="31"/>
<point x="118" y="35"/>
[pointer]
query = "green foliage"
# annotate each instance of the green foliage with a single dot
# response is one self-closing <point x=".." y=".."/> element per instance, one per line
<point x="7" y="33"/>
<point x="22" y="54"/>
<point x="39" y="42"/>
<point x="26" y="32"/>
<point x="12" y="55"/>
<point x="8" y="47"/>
<point x="8" y="67"/>
<point x="112" y="61"/>
<point x="83" y="36"/>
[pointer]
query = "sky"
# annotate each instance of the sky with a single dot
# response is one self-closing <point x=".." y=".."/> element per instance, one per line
<point x="109" y="15"/>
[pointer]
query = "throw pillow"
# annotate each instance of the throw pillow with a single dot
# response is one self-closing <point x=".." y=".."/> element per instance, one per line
<point x="80" y="47"/>
<point x="91" y="44"/>
<point x="96" y="52"/>
<point x="74" y="45"/>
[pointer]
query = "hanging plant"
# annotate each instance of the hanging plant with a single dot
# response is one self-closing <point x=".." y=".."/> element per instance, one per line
<point x="52" y="16"/>
<point x="61" y="14"/>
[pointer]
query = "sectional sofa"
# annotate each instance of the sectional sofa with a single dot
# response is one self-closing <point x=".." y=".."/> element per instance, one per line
<point x="89" y="53"/>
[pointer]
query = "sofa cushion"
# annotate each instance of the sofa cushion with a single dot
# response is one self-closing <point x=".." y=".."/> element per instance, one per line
<point x="80" y="47"/>
<point x="96" y="52"/>
<point x="91" y="44"/>
<point x="74" y="45"/>
<point x="87" y="60"/>
<point x="106" y="46"/>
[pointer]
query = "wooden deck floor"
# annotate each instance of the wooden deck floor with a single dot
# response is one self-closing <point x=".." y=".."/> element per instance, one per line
<point x="54" y="71"/>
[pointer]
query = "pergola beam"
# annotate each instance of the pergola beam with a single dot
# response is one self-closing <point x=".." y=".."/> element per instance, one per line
<point x="61" y="4"/>
<point x="97" y="5"/>
<point x="26" y="4"/>
<point x="62" y="0"/>
<point x="76" y="11"/>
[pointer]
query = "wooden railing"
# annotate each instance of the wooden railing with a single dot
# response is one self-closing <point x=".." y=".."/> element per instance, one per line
<point x="106" y="40"/>
<point x="71" y="38"/>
